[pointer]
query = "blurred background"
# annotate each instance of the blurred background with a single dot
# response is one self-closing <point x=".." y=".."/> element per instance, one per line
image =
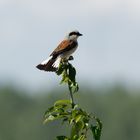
<point x="107" y="63"/>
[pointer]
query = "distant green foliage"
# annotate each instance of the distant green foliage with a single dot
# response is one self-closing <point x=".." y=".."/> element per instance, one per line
<point x="21" y="114"/>
<point x="79" y="120"/>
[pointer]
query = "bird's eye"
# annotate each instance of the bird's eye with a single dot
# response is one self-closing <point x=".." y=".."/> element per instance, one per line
<point x="72" y="33"/>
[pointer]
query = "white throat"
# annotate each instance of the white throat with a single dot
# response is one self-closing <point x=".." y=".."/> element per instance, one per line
<point x="72" y="37"/>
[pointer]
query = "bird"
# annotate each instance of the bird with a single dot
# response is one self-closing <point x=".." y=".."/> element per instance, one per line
<point x="62" y="52"/>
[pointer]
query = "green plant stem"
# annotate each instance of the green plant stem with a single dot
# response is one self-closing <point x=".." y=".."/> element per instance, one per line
<point x="71" y="96"/>
<point x="68" y="111"/>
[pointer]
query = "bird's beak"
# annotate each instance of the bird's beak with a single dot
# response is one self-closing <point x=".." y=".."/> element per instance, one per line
<point x="79" y="34"/>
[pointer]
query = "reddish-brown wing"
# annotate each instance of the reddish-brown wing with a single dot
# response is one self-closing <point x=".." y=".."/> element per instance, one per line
<point x="65" y="45"/>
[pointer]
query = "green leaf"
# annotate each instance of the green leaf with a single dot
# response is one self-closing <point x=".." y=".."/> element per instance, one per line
<point x="65" y="77"/>
<point x="62" y="67"/>
<point x="72" y="73"/>
<point x="96" y="130"/>
<point x="82" y="137"/>
<point x="76" y="128"/>
<point x="79" y="125"/>
<point x="49" y="110"/>
<point x="76" y="87"/>
<point x="60" y="71"/>
<point x="62" y="102"/>
<point x="62" y="138"/>
<point x="55" y="116"/>
<point x="78" y="118"/>
<point x="59" y="110"/>
<point x="75" y="137"/>
<point x="49" y="118"/>
<point x="99" y="123"/>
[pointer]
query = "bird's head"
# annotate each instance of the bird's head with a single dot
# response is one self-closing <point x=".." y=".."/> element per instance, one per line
<point x="73" y="35"/>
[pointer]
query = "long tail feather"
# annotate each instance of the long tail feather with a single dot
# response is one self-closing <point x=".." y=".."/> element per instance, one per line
<point x="49" y="64"/>
<point x="57" y="62"/>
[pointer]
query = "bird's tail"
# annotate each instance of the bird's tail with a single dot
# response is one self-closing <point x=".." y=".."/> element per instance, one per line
<point x="50" y="64"/>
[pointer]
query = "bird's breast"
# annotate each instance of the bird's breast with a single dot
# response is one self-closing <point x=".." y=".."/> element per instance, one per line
<point x="67" y="54"/>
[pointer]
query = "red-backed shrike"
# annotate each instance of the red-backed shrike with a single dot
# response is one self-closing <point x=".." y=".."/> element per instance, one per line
<point x="63" y="51"/>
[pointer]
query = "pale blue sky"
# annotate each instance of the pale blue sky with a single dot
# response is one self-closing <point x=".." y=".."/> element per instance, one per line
<point x="108" y="51"/>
